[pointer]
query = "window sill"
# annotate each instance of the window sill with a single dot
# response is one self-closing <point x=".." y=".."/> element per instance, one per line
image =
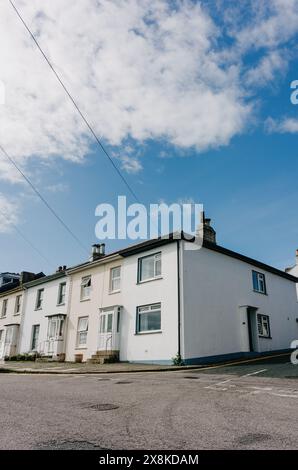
<point x="265" y="337"/>
<point x="60" y="305"/>
<point x="17" y="314"/>
<point x="259" y="292"/>
<point x="157" y="278"/>
<point x="82" y="348"/>
<point x="153" y="332"/>
<point x="85" y="300"/>
<point x="114" y="292"/>
<point x="36" y="309"/>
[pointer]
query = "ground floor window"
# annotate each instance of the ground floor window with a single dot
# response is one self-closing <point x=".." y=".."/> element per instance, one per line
<point x="82" y="332"/>
<point x="35" y="335"/>
<point x="149" y="318"/>
<point x="263" y="326"/>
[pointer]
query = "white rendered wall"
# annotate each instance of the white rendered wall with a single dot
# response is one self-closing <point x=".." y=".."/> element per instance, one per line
<point x="215" y="287"/>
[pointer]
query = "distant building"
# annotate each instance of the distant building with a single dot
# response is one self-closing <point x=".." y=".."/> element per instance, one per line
<point x="8" y="278"/>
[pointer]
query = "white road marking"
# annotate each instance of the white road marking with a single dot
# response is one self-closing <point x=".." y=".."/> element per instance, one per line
<point x="254" y="373"/>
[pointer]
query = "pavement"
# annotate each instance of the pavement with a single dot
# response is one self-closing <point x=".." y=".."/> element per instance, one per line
<point x="127" y="367"/>
<point x="240" y="406"/>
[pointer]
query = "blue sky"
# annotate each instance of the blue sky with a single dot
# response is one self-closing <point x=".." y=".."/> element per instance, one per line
<point x="235" y="151"/>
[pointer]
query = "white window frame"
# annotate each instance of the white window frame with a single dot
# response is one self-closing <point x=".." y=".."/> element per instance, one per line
<point x="18" y="304"/>
<point x="39" y="299"/>
<point x="115" y="278"/>
<point x="4" y="308"/>
<point x="157" y="272"/>
<point x="263" y="324"/>
<point x="143" y="309"/>
<point x="61" y="295"/>
<point x="85" y="288"/>
<point x="261" y="282"/>
<point x="82" y="330"/>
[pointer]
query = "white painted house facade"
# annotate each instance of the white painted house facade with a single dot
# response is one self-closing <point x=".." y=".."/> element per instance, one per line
<point x="204" y="305"/>
<point x="44" y="324"/>
<point x="158" y="299"/>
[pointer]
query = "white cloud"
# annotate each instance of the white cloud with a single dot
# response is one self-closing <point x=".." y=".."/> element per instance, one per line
<point x="285" y="125"/>
<point x="8" y="214"/>
<point x="130" y="164"/>
<point x="139" y="69"/>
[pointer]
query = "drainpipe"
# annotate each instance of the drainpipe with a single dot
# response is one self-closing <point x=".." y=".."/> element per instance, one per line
<point x="179" y="296"/>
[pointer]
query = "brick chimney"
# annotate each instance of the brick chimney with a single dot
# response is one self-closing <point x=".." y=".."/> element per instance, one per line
<point x="98" y="251"/>
<point x="205" y="230"/>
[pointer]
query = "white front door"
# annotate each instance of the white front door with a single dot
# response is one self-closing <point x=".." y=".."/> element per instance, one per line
<point x="106" y="321"/>
<point x="8" y="341"/>
<point x="109" y="326"/>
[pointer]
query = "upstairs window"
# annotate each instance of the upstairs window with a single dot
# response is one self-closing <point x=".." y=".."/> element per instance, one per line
<point x="149" y="267"/>
<point x="61" y="293"/>
<point x="39" y="299"/>
<point x="263" y="326"/>
<point x="259" y="283"/>
<point x="86" y="288"/>
<point x="4" y="308"/>
<point x="115" y="279"/>
<point x="17" y="307"/>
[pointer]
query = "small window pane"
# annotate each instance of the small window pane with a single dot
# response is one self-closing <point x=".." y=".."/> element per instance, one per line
<point x="110" y="323"/>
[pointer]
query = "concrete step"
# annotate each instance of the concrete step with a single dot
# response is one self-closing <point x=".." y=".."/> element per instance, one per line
<point x="107" y="352"/>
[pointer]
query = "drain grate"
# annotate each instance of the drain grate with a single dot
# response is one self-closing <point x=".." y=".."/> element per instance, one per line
<point x="190" y="377"/>
<point x="123" y="382"/>
<point x="102" y="406"/>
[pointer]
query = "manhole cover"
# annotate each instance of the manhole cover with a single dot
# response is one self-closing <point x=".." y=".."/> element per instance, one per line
<point x="68" y="445"/>
<point x="252" y="438"/>
<point x="102" y="406"/>
<point x="191" y="377"/>
<point x="123" y="382"/>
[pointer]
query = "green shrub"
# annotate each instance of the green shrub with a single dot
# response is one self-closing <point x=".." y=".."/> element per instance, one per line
<point x="177" y="360"/>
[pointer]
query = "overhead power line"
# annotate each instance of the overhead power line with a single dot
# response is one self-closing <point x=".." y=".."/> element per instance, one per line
<point x="41" y="197"/>
<point x="26" y="239"/>
<point x="97" y="139"/>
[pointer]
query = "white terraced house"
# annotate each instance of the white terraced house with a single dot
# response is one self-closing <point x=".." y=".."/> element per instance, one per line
<point x="12" y="301"/>
<point x="158" y="299"/>
<point x="43" y="328"/>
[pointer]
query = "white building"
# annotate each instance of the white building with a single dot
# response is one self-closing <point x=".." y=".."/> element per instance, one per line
<point x="294" y="269"/>
<point x="156" y="299"/>
<point x="12" y="303"/>
<point x="43" y="325"/>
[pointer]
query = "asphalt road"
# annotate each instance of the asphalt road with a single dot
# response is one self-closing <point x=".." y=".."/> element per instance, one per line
<point x="224" y="408"/>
